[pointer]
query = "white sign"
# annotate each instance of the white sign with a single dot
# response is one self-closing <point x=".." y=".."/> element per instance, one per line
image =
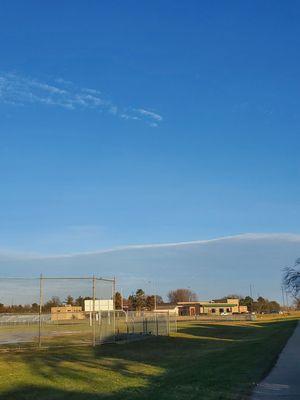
<point x="100" y="305"/>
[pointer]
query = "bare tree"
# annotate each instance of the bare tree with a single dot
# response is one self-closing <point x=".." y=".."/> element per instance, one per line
<point x="291" y="279"/>
<point x="159" y="299"/>
<point x="178" y="295"/>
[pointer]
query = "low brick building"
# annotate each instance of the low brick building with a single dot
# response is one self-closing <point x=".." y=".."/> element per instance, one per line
<point x="230" y="306"/>
<point x="168" y="308"/>
<point x="66" y="312"/>
<point x="191" y="308"/>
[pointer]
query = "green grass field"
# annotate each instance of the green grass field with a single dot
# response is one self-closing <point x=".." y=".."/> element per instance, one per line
<point x="220" y="360"/>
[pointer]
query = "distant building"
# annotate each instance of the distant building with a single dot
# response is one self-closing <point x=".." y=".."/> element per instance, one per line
<point x="191" y="308"/>
<point x="66" y="312"/>
<point x="172" y="309"/>
<point x="230" y="306"/>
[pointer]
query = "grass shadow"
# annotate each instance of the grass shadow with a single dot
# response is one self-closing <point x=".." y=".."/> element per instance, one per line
<point x="209" y="361"/>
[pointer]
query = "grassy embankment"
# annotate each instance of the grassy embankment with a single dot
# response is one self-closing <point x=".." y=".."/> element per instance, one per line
<point x="219" y="360"/>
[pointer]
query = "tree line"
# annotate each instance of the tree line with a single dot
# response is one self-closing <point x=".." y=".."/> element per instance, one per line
<point x="54" y="301"/>
<point x="141" y="301"/>
<point x="136" y="301"/>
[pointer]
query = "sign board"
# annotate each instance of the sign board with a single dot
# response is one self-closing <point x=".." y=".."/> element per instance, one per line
<point x="100" y="305"/>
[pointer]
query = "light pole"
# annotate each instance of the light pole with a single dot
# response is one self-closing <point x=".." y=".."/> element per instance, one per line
<point x="152" y="283"/>
<point x="189" y="288"/>
<point x="121" y="293"/>
<point x="122" y="300"/>
<point x="282" y="292"/>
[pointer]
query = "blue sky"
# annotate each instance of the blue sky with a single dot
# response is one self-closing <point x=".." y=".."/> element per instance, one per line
<point x="146" y="122"/>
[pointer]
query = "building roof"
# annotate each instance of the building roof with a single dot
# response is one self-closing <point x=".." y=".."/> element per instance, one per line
<point x="166" y="306"/>
<point x="206" y="304"/>
<point x="212" y="305"/>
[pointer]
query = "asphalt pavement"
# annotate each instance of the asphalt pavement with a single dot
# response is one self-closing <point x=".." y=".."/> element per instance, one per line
<point x="283" y="382"/>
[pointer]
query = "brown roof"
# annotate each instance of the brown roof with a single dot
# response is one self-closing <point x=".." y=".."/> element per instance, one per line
<point x="166" y="306"/>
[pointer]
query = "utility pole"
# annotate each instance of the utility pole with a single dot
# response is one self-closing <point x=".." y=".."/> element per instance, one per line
<point x="94" y="311"/>
<point x="114" y="305"/>
<point x="282" y="291"/>
<point x="153" y="287"/>
<point x="287" y="299"/>
<point x="155" y="296"/>
<point x="122" y="301"/>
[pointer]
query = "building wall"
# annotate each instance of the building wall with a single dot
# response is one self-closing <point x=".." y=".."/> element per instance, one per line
<point x="231" y="306"/>
<point x="171" y="311"/>
<point x="66" y="313"/>
<point x="236" y="308"/>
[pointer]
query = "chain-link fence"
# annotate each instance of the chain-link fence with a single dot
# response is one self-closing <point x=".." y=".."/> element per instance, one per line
<point x="47" y="312"/>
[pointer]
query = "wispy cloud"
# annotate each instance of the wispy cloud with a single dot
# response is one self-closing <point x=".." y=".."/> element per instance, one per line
<point x="152" y="118"/>
<point x="20" y="91"/>
<point x="88" y="231"/>
<point x="149" y="114"/>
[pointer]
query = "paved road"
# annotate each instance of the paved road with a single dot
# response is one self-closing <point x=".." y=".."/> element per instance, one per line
<point x="283" y="382"/>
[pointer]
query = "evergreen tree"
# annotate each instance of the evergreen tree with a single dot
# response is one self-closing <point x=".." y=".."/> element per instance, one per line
<point x="118" y="301"/>
<point x="69" y="300"/>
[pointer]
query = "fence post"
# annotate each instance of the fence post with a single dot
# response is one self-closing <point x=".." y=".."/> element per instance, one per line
<point x="127" y="327"/>
<point x="114" y="306"/>
<point x="40" y="310"/>
<point x="94" y="311"/>
<point x="156" y="322"/>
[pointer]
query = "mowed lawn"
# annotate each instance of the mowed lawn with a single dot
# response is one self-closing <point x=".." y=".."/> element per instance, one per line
<point x="219" y="360"/>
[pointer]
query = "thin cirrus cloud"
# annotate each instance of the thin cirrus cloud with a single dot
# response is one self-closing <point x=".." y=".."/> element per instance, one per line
<point x="19" y="90"/>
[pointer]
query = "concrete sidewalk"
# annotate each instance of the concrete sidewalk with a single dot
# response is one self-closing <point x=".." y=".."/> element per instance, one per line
<point x="283" y="382"/>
